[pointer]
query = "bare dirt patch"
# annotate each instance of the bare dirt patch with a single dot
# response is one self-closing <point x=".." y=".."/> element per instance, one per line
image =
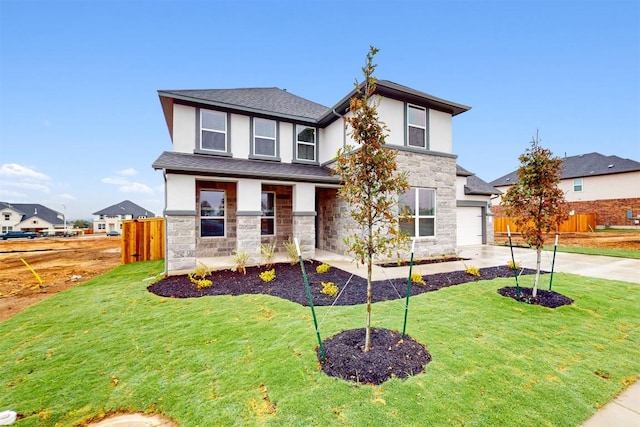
<point x="61" y="263"/>
<point x="610" y="239"/>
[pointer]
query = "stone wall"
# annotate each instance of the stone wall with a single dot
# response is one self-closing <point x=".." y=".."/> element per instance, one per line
<point x="181" y="243"/>
<point x="304" y="230"/>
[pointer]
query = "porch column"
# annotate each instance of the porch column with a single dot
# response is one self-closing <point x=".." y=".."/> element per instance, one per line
<point x="180" y="223"/>
<point x="304" y="217"/>
<point x="248" y="217"/>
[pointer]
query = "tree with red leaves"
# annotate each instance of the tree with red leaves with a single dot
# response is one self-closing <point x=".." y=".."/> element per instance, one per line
<point x="536" y="203"/>
<point x="371" y="183"/>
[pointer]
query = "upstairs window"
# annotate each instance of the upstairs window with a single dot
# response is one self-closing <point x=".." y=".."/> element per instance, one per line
<point x="212" y="210"/>
<point x="305" y="143"/>
<point x="213" y="130"/>
<point x="268" y="220"/>
<point x="264" y="137"/>
<point x="7" y="216"/>
<point x="416" y="126"/>
<point x="577" y="185"/>
<point x="419" y="205"/>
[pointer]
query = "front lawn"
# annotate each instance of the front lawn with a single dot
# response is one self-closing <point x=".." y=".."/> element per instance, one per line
<point x="250" y="360"/>
<point x="619" y="253"/>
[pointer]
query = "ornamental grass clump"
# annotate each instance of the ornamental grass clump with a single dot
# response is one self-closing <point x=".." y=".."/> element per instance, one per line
<point x="268" y="250"/>
<point x="240" y="259"/>
<point x="322" y="268"/>
<point x="291" y="251"/>
<point x="471" y="270"/>
<point x="513" y="265"/>
<point x="268" y="276"/>
<point x="329" y="288"/>
<point x="198" y="276"/>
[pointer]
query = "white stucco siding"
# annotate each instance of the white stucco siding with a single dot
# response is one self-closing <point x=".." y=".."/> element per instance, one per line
<point x="181" y="192"/>
<point x="331" y="139"/>
<point x="286" y="141"/>
<point x="304" y="197"/>
<point x="461" y="181"/>
<point x="603" y="187"/>
<point x="184" y="128"/>
<point x="391" y="112"/>
<point x="440" y="132"/>
<point x="240" y="137"/>
<point x="249" y="195"/>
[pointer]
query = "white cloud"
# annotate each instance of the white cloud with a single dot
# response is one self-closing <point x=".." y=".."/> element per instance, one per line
<point x="26" y="185"/>
<point x="136" y="187"/>
<point x="15" y="170"/>
<point x="67" y="196"/>
<point x="8" y="194"/>
<point x="128" y="172"/>
<point x="115" y="181"/>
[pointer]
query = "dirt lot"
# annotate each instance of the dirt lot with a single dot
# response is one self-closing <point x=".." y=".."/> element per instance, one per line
<point x="612" y="240"/>
<point x="61" y="263"/>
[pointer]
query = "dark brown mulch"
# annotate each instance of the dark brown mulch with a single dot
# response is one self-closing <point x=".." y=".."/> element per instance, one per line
<point x="389" y="356"/>
<point x="289" y="284"/>
<point x="550" y="299"/>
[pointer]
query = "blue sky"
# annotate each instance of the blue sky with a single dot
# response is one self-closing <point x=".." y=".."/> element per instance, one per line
<point x="81" y="124"/>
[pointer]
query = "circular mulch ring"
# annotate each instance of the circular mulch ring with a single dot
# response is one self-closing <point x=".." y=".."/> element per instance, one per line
<point x="390" y="356"/>
<point x="550" y="299"/>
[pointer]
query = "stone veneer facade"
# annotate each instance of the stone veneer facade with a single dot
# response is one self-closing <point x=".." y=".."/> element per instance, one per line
<point x="426" y="171"/>
<point x="181" y="242"/>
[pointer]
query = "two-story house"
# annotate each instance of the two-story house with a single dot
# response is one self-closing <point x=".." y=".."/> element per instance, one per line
<point x="253" y="165"/>
<point x="111" y="217"/>
<point x="608" y="186"/>
<point x="30" y="217"/>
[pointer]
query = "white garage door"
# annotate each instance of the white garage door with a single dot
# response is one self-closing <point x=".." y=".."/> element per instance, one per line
<point x="469" y="225"/>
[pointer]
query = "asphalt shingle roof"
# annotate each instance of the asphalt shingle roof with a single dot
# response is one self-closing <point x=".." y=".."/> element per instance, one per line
<point x="265" y="100"/>
<point x="581" y="166"/>
<point x="126" y="207"/>
<point x="475" y="185"/>
<point x="225" y="166"/>
<point x="31" y="210"/>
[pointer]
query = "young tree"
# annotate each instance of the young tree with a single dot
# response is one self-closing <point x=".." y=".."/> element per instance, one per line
<point x="535" y="202"/>
<point x="371" y="183"/>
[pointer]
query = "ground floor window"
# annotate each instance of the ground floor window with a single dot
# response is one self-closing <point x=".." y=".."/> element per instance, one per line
<point x="212" y="215"/>
<point x="6" y="228"/>
<point x="102" y="226"/>
<point x="268" y="220"/>
<point x="419" y="206"/>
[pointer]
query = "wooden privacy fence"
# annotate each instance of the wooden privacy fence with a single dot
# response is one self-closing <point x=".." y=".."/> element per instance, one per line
<point x="142" y="240"/>
<point x="576" y="223"/>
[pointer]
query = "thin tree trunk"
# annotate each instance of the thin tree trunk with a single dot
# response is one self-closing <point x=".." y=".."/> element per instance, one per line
<point x="367" y="336"/>
<point x="534" y="293"/>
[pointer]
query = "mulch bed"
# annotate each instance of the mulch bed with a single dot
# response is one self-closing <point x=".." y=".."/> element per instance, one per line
<point x="289" y="284"/>
<point x="390" y="356"/>
<point x="550" y="299"/>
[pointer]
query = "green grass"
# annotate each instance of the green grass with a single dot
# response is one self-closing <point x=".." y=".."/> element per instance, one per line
<point x="249" y="360"/>
<point x="620" y="253"/>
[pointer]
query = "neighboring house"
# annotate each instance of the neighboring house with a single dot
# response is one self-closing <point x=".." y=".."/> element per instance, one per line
<point x="252" y="166"/>
<point x="474" y="216"/>
<point x="110" y="219"/>
<point x="30" y="217"/>
<point x="608" y="186"/>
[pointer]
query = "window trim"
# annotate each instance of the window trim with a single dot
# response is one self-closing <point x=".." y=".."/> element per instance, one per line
<point x="416" y="215"/>
<point x="271" y="217"/>
<point x="276" y="140"/>
<point x="200" y="129"/>
<point x="297" y="142"/>
<point x="223" y="217"/>
<point x="575" y="184"/>
<point x="425" y="128"/>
